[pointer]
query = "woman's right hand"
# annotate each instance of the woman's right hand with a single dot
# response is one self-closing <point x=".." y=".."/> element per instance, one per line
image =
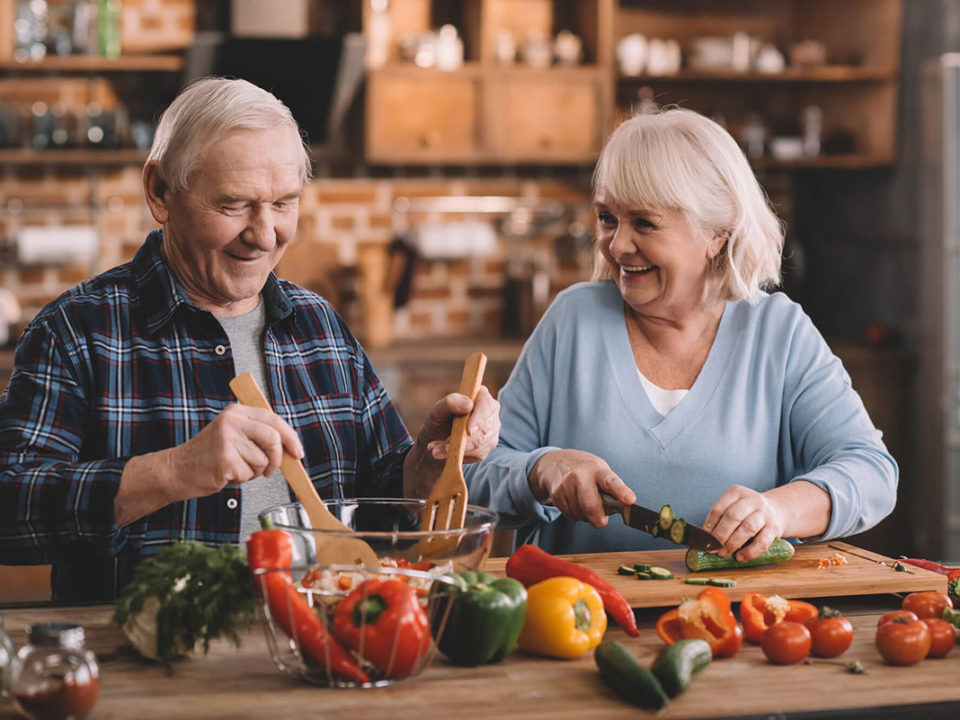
<point x="571" y="481"/>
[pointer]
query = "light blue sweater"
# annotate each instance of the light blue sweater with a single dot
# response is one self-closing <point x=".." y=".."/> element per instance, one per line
<point x="771" y="405"/>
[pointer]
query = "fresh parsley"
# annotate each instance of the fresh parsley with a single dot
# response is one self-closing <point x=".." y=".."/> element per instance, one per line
<point x="204" y="593"/>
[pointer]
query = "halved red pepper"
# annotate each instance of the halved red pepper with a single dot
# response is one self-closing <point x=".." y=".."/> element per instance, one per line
<point x="708" y="617"/>
<point x="758" y="612"/>
<point x="384" y="622"/>
<point x="273" y="549"/>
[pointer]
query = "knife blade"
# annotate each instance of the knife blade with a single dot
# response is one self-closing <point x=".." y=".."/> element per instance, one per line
<point x="644" y="519"/>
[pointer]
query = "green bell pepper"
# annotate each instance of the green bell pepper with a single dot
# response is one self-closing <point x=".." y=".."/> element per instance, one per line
<point x="485" y="619"/>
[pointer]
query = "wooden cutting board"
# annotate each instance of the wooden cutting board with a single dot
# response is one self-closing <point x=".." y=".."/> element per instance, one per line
<point x="866" y="573"/>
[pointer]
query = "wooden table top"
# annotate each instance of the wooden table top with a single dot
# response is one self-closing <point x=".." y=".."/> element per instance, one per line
<point x="243" y="682"/>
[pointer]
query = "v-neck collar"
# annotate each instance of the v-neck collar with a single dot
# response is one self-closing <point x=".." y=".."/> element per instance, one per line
<point x="624" y="369"/>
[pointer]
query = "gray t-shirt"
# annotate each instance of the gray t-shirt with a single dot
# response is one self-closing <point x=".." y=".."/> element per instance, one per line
<point x="245" y="333"/>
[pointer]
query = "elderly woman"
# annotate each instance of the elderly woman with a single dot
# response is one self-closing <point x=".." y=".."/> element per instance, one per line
<point x="675" y="379"/>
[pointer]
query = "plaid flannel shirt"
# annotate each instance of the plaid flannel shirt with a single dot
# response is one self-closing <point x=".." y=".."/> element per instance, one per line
<point x="123" y="365"/>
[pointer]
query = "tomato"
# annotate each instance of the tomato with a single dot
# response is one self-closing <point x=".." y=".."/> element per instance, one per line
<point x="942" y="637"/>
<point x="906" y="614"/>
<point x="903" y="641"/>
<point x="927" y="604"/>
<point x="831" y="633"/>
<point x="786" y="643"/>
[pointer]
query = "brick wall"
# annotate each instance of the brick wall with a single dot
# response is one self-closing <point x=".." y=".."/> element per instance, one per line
<point x="339" y="221"/>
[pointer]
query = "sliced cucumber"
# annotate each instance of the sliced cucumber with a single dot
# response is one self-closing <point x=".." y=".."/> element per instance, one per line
<point x="626" y="570"/>
<point x="642" y="575"/>
<point x="700" y="560"/>
<point x="696" y="580"/>
<point x="722" y="582"/>
<point x="642" y="567"/>
<point x="678" y="531"/>
<point x="660" y="573"/>
<point x="667" y="517"/>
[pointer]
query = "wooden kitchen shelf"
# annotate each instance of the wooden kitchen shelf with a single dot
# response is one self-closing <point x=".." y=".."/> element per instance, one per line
<point x="78" y="156"/>
<point x="97" y="63"/>
<point x="823" y="74"/>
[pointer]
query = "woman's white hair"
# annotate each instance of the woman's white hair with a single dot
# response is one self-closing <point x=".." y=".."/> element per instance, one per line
<point x="677" y="159"/>
<point x="203" y="113"/>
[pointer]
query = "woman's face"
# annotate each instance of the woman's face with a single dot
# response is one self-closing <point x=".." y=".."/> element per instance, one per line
<point x="658" y="263"/>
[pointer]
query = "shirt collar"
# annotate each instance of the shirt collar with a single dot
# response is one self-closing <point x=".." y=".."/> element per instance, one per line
<point x="161" y="293"/>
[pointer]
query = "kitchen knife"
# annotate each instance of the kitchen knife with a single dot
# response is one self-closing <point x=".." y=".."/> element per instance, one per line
<point x="641" y="518"/>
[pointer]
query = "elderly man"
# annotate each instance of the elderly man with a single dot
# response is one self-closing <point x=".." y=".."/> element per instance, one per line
<point x="118" y="431"/>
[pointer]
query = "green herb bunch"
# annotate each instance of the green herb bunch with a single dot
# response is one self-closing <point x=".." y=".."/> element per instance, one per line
<point x="204" y="593"/>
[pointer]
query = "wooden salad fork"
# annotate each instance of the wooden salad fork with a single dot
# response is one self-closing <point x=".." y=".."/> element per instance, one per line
<point x="446" y="507"/>
<point x="333" y="550"/>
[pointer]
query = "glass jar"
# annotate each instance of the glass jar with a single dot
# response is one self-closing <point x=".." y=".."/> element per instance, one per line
<point x="58" y="678"/>
<point x="8" y="659"/>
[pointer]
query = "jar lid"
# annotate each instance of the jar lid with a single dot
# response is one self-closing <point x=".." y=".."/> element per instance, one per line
<point x="67" y="635"/>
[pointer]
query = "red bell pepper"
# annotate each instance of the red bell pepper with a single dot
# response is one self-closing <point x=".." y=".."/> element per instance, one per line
<point x="759" y="612"/>
<point x="272" y="549"/>
<point x="529" y="564"/>
<point x="709" y="618"/>
<point x="383" y="621"/>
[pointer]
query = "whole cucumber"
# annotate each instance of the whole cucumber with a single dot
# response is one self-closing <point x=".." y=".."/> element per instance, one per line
<point x="676" y="664"/>
<point x="698" y="560"/>
<point x="621" y="671"/>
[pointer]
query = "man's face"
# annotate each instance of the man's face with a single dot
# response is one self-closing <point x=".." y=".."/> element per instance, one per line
<point x="227" y="230"/>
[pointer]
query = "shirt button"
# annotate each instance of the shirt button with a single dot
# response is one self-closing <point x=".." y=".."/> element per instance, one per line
<point x="232" y="503"/>
<point x="220" y="349"/>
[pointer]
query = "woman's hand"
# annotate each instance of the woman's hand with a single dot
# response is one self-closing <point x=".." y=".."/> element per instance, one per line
<point x="742" y="515"/>
<point x="571" y="481"/>
<point x="426" y="458"/>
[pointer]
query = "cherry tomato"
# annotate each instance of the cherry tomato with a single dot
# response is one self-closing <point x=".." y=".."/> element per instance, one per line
<point x="786" y="643"/>
<point x="906" y="614"/>
<point x="903" y="641"/>
<point x="942" y="637"/>
<point x="927" y="604"/>
<point x="831" y="633"/>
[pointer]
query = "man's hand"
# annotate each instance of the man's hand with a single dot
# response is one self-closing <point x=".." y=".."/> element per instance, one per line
<point x="240" y="444"/>
<point x="426" y="458"/>
<point x="571" y="481"/>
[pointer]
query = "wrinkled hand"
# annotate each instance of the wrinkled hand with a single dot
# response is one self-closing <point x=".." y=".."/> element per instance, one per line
<point x="571" y="481"/>
<point x="483" y="426"/>
<point x="741" y="515"/>
<point x="240" y="444"/>
<point x="426" y="459"/>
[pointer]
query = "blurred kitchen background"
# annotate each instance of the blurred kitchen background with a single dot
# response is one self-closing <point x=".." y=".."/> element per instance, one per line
<point x="453" y="146"/>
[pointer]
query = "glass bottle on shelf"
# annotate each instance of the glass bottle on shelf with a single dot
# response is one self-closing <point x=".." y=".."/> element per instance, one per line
<point x="108" y="28"/>
<point x="58" y="677"/>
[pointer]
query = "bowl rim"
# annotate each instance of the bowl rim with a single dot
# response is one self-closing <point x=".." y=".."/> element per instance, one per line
<point x="488" y="525"/>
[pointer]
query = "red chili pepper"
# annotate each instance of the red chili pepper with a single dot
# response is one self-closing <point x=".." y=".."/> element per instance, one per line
<point x="927" y="565"/>
<point x="709" y="618"/>
<point x="529" y="564"/>
<point x="759" y="612"/>
<point x="273" y="549"/>
<point x="384" y="622"/>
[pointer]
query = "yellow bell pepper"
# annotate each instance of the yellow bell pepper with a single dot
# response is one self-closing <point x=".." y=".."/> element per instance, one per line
<point x="565" y="618"/>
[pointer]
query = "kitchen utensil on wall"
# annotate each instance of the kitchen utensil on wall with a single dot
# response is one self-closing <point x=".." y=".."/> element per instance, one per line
<point x="447" y="504"/>
<point x="339" y="550"/>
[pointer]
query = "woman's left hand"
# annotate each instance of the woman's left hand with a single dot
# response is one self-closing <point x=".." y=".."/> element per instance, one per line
<point x="742" y="515"/>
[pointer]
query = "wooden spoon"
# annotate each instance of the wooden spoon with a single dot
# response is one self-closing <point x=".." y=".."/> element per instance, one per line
<point x="331" y="550"/>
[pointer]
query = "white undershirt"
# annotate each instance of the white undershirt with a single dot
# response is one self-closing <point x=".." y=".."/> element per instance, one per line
<point x="663" y="401"/>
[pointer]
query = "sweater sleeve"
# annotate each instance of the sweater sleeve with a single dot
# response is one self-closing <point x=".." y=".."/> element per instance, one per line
<point x="833" y="442"/>
<point x="500" y="481"/>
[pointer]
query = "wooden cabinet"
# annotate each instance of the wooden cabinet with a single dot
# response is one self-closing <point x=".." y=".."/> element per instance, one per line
<point x="854" y="87"/>
<point x="416" y="115"/>
<point x="488" y="111"/>
<point x="559" y="115"/>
